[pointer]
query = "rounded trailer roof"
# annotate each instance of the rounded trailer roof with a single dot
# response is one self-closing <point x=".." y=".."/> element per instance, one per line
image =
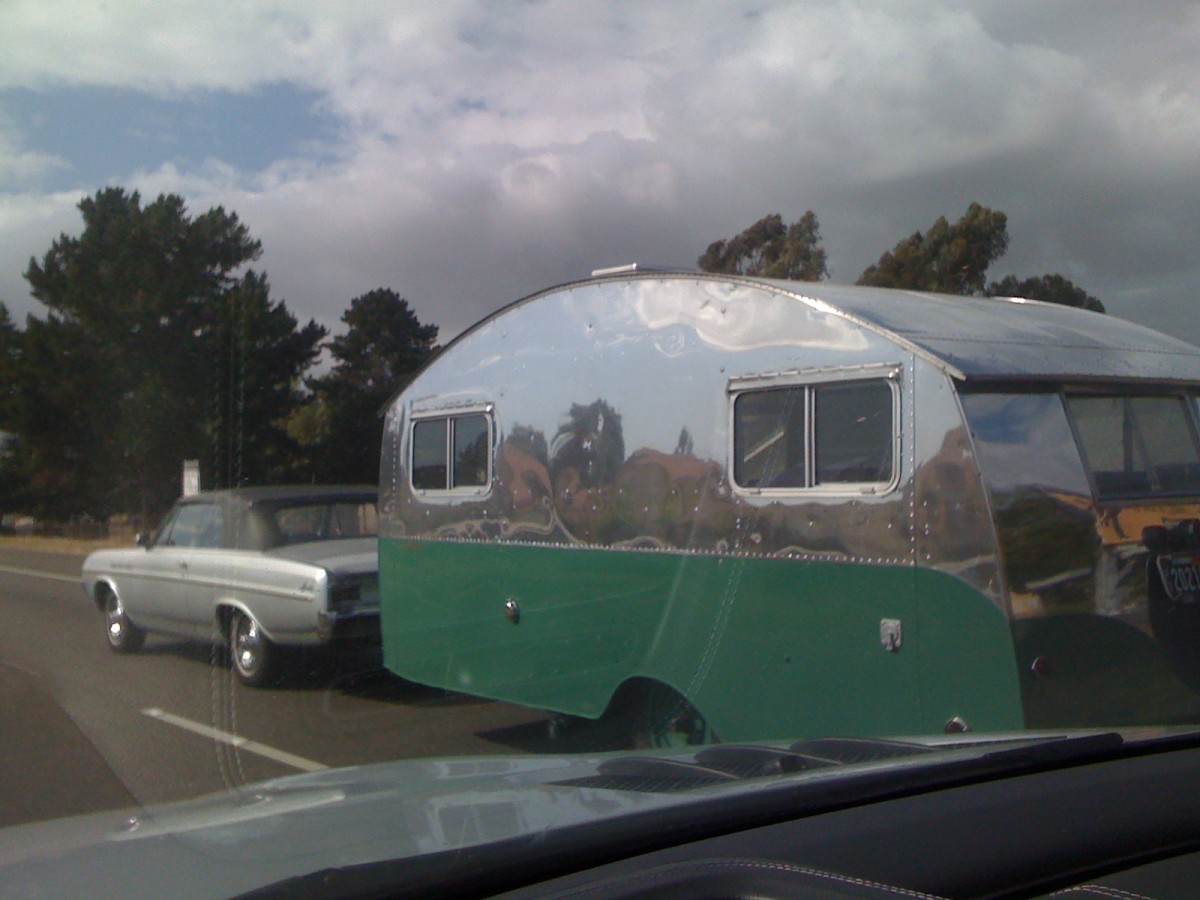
<point x="970" y="338"/>
<point x="977" y="338"/>
<point x="999" y="337"/>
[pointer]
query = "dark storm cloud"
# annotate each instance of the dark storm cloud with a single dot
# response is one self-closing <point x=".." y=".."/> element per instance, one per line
<point x="485" y="152"/>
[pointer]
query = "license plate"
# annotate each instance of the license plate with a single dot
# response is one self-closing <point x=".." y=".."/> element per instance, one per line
<point x="1180" y="577"/>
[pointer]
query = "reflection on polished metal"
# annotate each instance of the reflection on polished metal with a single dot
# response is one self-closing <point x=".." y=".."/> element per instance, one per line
<point x="581" y="463"/>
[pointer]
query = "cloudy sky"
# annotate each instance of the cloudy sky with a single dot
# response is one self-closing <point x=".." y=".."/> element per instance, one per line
<point x="467" y="153"/>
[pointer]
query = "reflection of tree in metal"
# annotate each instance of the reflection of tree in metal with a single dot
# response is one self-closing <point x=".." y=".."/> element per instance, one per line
<point x="531" y="441"/>
<point x="1050" y="547"/>
<point x="684" y="446"/>
<point x="591" y="443"/>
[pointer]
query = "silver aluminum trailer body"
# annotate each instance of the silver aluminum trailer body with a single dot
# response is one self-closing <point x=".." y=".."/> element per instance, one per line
<point x="773" y="509"/>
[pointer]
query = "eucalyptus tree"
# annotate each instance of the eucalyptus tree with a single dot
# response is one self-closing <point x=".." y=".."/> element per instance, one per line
<point x="948" y="258"/>
<point x="770" y="249"/>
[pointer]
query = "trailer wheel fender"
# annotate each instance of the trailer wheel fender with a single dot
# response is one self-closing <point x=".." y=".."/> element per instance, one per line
<point x="654" y="714"/>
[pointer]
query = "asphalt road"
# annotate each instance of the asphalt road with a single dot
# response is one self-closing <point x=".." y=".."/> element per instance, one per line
<point x="83" y="729"/>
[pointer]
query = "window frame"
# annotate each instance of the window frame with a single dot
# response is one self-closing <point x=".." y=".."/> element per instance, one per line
<point x="809" y="381"/>
<point x="448" y="416"/>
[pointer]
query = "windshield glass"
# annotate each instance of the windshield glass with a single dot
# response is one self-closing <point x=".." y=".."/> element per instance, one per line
<point x="446" y="404"/>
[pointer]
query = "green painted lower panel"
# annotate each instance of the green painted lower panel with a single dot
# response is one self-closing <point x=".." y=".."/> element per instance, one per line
<point x="1087" y="671"/>
<point x="764" y="648"/>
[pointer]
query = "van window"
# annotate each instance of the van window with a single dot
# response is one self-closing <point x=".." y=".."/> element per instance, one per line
<point x="814" y="435"/>
<point x="1137" y="445"/>
<point x="450" y="452"/>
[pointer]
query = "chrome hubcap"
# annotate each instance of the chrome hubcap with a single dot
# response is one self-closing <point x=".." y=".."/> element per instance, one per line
<point x="246" y="644"/>
<point x="116" y="624"/>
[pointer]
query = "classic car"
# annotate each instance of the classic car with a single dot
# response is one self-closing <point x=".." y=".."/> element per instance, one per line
<point x="255" y="569"/>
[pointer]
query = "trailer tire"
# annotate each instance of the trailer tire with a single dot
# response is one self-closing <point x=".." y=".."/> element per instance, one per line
<point x="664" y="718"/>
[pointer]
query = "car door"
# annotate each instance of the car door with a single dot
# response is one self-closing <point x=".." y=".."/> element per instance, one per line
<point x="157" y="594"/>
<point x="209" y="572"/>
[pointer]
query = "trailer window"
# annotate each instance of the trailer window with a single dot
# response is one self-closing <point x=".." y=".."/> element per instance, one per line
<point x="470" y="463"/>
<point x="451" y="452"/>
<point x="769" y="438"/>
<point x="853" y="432"/>
<point x="815" y="435"/>
<point x="1137" y="445"/>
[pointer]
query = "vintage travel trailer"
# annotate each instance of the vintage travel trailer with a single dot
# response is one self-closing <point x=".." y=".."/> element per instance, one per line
<point x="746" y="509"/>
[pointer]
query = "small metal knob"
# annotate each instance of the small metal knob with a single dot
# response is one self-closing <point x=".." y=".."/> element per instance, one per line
<point x="512" y="610"/>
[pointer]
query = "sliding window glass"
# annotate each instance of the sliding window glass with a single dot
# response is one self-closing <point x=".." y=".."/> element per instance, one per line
<point x="824" y="435"/>
<point x="853" y="432"/>
<point x="770" y="438"/>
<point x="471" y="457"/>
<point x="451" y="452"/>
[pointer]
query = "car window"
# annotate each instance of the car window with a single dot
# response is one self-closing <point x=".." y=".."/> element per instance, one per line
<point x="326" y="521"/>
<point x="852" y="433"/>
<point x="194" y="525"/>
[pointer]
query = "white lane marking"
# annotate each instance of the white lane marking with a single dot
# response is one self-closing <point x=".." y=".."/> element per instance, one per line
<point x="70" y="579"/>
<point x="280" y="756"/>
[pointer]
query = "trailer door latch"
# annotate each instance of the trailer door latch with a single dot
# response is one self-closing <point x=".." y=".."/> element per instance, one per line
<point x="891" y="634"/>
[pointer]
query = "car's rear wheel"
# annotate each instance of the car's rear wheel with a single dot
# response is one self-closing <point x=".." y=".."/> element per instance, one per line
<point x="253" y="655"/>
<point x="123" y="635"/>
